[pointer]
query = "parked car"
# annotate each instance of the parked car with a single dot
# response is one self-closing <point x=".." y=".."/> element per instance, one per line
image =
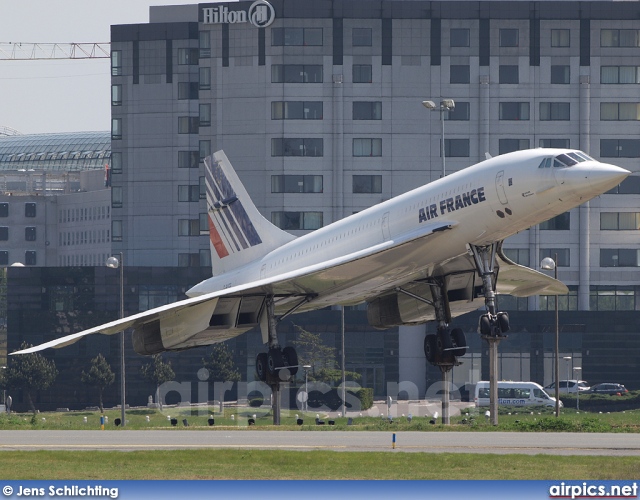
<point x="570" y="386"/>
<point x="608" y="388"/>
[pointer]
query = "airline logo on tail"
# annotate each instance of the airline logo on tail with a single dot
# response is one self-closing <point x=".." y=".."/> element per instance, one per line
<point x="230" y="228"/>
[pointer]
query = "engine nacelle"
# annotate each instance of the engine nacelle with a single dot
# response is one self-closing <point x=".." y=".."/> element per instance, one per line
<point x="400" y="309"/>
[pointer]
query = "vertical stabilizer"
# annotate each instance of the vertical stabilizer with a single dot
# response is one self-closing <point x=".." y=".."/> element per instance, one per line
<point x="238" y="233"/>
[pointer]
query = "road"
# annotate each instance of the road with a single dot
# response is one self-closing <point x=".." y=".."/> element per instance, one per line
<point x="409" y="441"/>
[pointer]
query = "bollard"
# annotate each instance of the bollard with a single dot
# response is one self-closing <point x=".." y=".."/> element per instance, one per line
<point x="393" y="441"/>
<point x="147" y="418"/>
<point x="102" y="423"/>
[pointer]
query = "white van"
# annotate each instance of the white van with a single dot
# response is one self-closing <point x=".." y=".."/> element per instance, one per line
<point x="515" y="394"/>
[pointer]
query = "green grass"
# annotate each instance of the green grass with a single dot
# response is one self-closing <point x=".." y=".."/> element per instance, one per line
<point x="268" y="464"/>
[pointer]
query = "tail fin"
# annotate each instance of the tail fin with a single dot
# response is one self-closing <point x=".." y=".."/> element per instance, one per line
<point x="238" y="233"/>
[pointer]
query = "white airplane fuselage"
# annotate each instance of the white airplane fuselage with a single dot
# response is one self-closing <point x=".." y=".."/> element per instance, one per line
<point x="484" y="203"/>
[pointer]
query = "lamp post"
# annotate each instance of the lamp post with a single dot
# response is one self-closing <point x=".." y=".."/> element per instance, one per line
<point x="115" y="263"/>
<point x="445" y="105"/>
<point x="550" y="265"/>
<point x="577" y="369"/>
<point x="306" y="387"/>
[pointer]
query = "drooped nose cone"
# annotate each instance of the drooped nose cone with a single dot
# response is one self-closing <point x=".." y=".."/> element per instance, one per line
<point x="602" y="176"/>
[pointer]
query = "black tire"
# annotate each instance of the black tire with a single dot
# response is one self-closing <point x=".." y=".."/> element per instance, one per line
<point x="503" y="322"/>
<point x="443" y="341"/>
<point x="261" y="366"/>
<point x="430" y="348"/>
<point x="274" y="361"/>
<point x="460" y="341"/>
<point x="290" y="359"/>
<point x="485" y="325"/>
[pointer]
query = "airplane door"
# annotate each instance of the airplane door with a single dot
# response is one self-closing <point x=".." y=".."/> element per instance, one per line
<point x="385" y="227"/>
<point x="502" y="195"/>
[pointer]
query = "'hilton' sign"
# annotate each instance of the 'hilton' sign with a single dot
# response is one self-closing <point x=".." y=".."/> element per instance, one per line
<point x="261" y="14"/>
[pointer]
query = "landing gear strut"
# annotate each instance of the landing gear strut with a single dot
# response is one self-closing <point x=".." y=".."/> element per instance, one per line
<point x="277" y="365"/>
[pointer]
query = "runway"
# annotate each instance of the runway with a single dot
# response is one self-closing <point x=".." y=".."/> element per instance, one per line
<point x="360" y="441"/>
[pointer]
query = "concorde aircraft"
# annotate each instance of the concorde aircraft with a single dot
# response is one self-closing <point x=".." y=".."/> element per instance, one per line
<point x="430" y="254"/>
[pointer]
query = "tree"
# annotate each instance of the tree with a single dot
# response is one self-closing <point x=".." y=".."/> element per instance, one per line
<point x="220" y="364"/>
<point x="157" y="372"/>
<point x="99" y="375"/>
<point x="29" y="372"/>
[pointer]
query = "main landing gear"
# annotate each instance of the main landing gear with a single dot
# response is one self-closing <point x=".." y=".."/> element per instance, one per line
<point x="278" y="365"/>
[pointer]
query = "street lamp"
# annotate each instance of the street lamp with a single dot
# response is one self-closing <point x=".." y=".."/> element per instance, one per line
<point x="306" y="387"/>
<point x="577" y="369"/>
<point x="445" y="105"/>
<point x="550" y="265"/>
<point x="115" y="263"/>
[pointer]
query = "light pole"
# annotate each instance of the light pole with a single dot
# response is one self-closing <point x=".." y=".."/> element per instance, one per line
<point x="115" y="263"/>
<point x="445" y="105"/>
<point x="306" y="387"/>
<point x="550" y="265"/>
<point x="577" y="369"/>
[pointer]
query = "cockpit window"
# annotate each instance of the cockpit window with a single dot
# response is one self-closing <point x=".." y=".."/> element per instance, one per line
<point x="576" y="157"/>
<point x="558" y="164"/>
<point x="546" y="163"/>
<point x="584" y="155"/>
<point x="566" y="159"/>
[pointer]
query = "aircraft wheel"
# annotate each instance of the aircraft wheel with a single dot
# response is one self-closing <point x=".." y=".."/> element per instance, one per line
<point x="290" y="359"/>
<point x="430" y="348"/>
<point x="485" y="325"/>
<point x="274" y="361"/>
<point x="459" y="340"/>
<point x="443" y="340"/>
<point x="503" y="321"/>
<point x="261" y="366"/>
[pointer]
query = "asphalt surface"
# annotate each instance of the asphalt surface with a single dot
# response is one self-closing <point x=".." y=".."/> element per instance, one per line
<point x="428" y="442"/>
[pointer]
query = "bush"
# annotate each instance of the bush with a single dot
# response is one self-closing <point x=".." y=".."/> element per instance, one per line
<point x="365" y="395"/>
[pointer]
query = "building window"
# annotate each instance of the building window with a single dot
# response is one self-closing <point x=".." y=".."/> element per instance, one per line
<point x="30" y="233"/>
<point x="567" y="302"/>
<point x="29" y="209"/>
<point x="116" y="162"/>
<point x="367" y="147"/>
<point x="508" y="37"/>
<point x="620" y="111"/>
<point x="554" y="143"/>
<point x="188" y="124"/>
<point x="613" y="298"/>
<point x="116" y="231"/>
<point x="563" y="255"/>
<point x="560" y="74"/>
<point x="296" y="184"/>
<point x="116" y="197"/>
<point x="4" y="233"/>
<point x="560" y="222"/>
<point x="116" y="95"/>
<point x="205" y="115"/>
<point x="367" y="110"/>
<point x="518" y="255"/>
<point x="116" y="128"/>
<point x="555" y="111"/>
<point x="619" y="148"/>
<point x="296" y="110"/>
<point x="296" y="37"/>
<point x="204" y="79"/>
<point x="361" y="37"/>
<point x="460" y="113"/>
<point x="367" y="184"/>
<point x="619" y="257"/>
<point x="30" y="258"/>
<point x="509" y="145"/>
<point x="116" y="62"/>
<point x="459" y="73"/>
<point x="204" y="149"/>
<point x="296" y="73"/>
<point x="456" y="148"/>
<point x="188" y="260"/>
<point x="4" y="210"/>
<point x="187" y="90"/>
<point x="362" y="73"/>
<point x="204" y="44"/>
<point x="619" y="221"/>
<point x="619" y="38"/>
<point x="189" y="193"/>
<point x="508" y="73"/>
<point x="290" y="221"/>
<point x="459" y="37"/>
<point x="514" y="110"/>
<point x="188" y="227"/>
<point x="205" y="258"/>
<point x="561" y="38"/>
<point x="188" y="56"/>
<point x="296" y="147"/>
<point x="631" y="185"/>
<point x="619" y="74"/>
<point x="4" y="258"/>
<point x="188" y="159"/>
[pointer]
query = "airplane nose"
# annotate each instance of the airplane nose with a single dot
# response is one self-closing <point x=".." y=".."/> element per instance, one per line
<point x="603" y="177"/>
